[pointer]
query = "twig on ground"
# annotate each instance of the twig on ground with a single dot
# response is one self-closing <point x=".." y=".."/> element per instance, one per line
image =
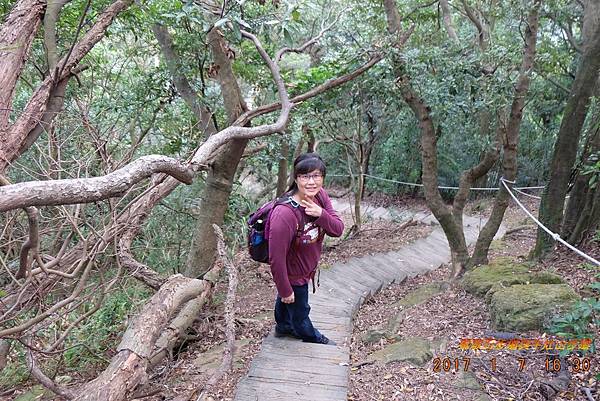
<point x="588" y="393"/>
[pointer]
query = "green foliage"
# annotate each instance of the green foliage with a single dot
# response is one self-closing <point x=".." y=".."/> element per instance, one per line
<point x="92" y="341"/>
<point x="583" y="318"/>
<point x="16" y="371"/>
<point x="592" y="169"/>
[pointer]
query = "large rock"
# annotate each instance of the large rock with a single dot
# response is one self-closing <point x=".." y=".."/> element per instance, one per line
<point x="374" y="336"/>
<point x="422" y="294"/>
<point x="529" y="307"/>
<point x="415" y="350"/>
<point x="502" y="273"/>
<point x="467" y="380"/>
<point x="208" y="362"/>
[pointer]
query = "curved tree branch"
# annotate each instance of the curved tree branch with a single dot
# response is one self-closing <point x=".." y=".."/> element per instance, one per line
<point x="330" y="84"/>
<point x="85" y="190"/>
<point x="306" y="44"/>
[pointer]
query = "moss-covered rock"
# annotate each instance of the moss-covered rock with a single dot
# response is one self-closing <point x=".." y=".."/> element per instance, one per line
<point x="502" y="273"/>
<point x="36" y="393"/>
<point x="415" y="350"/>
<point x="208" y="362"/>
<point x="529" y="307"/>
<point x="373" y="336"/>
<point x="421" y="294"/>
<point x="467" y="380"/>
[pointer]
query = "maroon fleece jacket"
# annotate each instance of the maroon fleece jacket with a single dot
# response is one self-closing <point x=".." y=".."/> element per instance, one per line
<point x="296" y="264"/>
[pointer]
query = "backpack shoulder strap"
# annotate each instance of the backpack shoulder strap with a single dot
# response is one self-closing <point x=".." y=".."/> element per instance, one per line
<point x="292" y="204"/>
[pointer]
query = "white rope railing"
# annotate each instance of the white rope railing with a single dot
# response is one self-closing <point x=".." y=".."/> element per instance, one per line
<point x="412" y="184"/>
<point x="554" y="235"/>
<point x="526" y="194"/>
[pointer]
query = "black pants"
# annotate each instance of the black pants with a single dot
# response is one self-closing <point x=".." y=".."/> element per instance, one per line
<point x="293" y="318"/>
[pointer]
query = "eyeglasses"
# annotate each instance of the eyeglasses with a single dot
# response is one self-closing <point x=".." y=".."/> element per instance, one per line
<point x="307" y="177"/>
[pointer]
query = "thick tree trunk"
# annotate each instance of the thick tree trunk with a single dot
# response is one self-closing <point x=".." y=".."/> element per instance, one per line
<point x="565" y="148"/>
<point x="13" y="138"/>
<point x="422" y="112"/>
<point x="580" y="216"/>
<point x="128" y="367"/>
<point x="509" y="159"/>
<point x="215" y="196"/>
<point x="16" y="36"/>
<point x="580" y="189"/>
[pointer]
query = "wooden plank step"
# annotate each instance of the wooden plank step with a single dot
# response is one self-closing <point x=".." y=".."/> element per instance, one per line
<point x="417" y="259"/>
<point x="411" y="271"/>
<point x="337" y="278"/>
<point x="367" y="268"/>
<point x="399" y="275"/>
<point x="354" y="272"/>
<point x="262" y="389"/>
<point x="302" y="374"/>
<point x="293" y="347"/>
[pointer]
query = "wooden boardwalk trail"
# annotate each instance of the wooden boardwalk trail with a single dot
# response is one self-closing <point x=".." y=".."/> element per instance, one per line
<point x="289" y="369"/>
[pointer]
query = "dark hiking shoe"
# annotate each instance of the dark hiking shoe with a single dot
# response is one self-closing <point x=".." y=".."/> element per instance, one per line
<point x="326" y="341"/>
<point x="282" y="334"/>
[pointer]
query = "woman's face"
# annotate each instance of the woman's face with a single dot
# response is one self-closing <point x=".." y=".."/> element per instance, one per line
<point x="309" y="184"/>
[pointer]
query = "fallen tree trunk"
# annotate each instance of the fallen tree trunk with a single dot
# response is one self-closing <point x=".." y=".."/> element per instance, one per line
<point x="128" y="367"/>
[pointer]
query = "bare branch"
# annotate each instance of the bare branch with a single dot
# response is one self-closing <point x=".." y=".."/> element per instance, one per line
<point x="254" y="150"/>
<point x="56" y="307"/>
<point x="32" y="242"/>
<point x="43" y="379"/>
<point x="332" y="83"/>
<point x="85" y="190"/>
<point x="137" y="269"/>
<point x="308" y="43"/>
<point x="418" y="7"/>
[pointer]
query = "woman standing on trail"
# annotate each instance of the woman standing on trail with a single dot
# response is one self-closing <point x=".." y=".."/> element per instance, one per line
<point x="297" y="226"/>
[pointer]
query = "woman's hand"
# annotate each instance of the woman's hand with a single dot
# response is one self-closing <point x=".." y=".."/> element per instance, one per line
<point x="311" y="208"/>
<point x="288" y="300"/>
